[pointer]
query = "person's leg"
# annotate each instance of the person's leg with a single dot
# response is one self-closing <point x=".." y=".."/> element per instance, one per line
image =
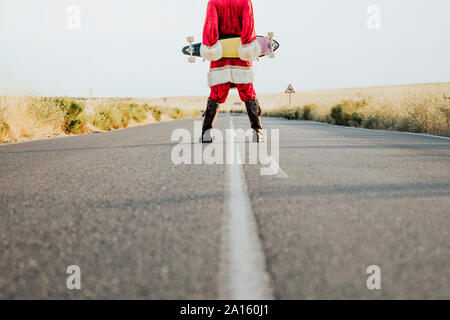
<point x="220" y="92"/>
<point x="248" y="95"/>
<point x="246" y="92"/>
<point x="218" y="95"/>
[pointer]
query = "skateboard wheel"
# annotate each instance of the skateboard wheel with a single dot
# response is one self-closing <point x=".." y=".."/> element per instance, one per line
<point x="191" y="59"/>
<point x="190" y="39"/>
<point x="270" y="34"/>
<point x="272" y="55"/>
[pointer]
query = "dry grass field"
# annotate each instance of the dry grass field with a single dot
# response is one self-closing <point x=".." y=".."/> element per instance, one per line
<point x="412" y="108"/>
<point x="421" y="108"/>
<point x="29" y="118"/>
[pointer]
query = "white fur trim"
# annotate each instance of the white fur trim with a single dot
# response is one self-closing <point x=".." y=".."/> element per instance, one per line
<point x="213" y="53"/>
<point x="232" y="74"/>
<point x="250" y="51"/>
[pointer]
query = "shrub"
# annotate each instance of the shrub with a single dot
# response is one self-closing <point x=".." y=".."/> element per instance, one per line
<point x="121" y="116"/>
<point x="146" y="107"/>
<point x="74" y="119"/>
<point x="107" y="117"/>
<point x="196" y="113"/>
<point x="308" y="112"/>
<point x="446" y="112"/>
<point x="371" y="123"/>
<point x="4" y="127"/>
<point x="138" y="112"/>
<point x="102" y="120"/>
<point x="408" y="124"/>
<point x="156" y="113"/>
<point x="357" y="119"/>
<point x="338" y="115"/>
<point x="298" y="114"/>
<point x="47" y="110"/>
<point x="329" y="119"/>
<point x="290" y="113"/>
<point x="176" y="113"/>
<point x="348" y="113"/>
<point x="118" y="116"/>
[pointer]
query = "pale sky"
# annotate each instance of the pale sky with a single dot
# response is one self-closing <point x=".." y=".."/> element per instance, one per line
<point x="132" y="48"/>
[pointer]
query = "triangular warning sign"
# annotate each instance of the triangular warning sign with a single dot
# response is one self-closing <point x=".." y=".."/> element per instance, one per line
<point x="290" y="89"/>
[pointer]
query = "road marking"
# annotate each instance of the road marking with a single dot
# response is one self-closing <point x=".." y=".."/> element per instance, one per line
<point x="273" y="168"/>
<point x="243" y="270"/>
<point x="383" y="131"/>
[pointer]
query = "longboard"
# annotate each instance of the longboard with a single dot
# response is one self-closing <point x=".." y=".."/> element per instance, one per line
<point x="231" y="47"/>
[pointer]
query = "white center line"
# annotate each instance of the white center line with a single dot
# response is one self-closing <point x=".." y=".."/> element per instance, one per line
<point x="243" y="274"/>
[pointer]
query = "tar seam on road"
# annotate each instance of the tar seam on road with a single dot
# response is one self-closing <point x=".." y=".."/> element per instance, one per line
<point x="243" y="271"/>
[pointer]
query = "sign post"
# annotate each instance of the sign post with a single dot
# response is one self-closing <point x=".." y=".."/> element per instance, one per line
<point x="290" y="90"/>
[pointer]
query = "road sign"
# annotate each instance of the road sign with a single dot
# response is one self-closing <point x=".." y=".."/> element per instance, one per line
<point x="290" y="89"/>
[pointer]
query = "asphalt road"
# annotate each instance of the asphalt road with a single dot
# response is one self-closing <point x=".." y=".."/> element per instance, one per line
<point x="141" y="227"/>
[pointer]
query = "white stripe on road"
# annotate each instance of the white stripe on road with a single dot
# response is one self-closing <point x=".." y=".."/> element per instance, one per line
<point x="383" y="131"/>
<point x="244" y="275"/>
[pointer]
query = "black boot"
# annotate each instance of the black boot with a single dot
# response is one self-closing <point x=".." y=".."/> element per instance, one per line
<point x="254" y="114"/>
<point x="208" y="122"/>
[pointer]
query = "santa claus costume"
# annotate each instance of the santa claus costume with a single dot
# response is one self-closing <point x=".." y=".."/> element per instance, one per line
<point x="226" y="19"/>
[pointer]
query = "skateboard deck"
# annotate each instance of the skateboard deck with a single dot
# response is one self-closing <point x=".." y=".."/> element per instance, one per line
<point x="231" y="47"/>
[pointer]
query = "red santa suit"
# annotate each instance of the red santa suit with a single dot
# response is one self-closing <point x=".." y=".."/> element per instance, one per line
<point x="230" y="18"/>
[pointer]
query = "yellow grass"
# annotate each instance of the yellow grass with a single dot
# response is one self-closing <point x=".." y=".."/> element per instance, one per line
<point x="416" y="108"/>
<point x="25" y="118"/>
<point x="413" y="108"/>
